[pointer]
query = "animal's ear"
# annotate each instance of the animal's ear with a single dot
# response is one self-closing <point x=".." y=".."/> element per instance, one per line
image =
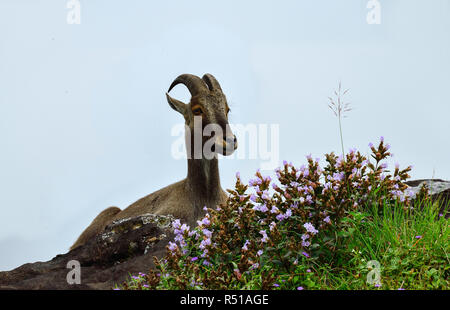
<point x="175" y="104"/>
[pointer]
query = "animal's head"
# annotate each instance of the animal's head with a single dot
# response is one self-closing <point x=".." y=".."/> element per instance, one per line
<point x="206" y="114"/>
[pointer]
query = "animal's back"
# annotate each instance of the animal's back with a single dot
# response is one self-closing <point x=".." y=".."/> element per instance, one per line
<point x="164" y="201"/>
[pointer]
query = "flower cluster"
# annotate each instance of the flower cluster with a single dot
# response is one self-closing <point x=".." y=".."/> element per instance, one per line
<point x="268" y="229"/>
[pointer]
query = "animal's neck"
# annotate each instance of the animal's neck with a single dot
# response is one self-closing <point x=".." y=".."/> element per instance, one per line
<point x="203" y="181"/>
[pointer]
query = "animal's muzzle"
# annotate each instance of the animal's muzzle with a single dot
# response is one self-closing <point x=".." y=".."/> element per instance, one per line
<point x="229" y="145"/>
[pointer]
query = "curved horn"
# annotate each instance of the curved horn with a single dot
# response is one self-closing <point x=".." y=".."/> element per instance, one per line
<point x="193" y="83"/>
<point x="211" y="81"/>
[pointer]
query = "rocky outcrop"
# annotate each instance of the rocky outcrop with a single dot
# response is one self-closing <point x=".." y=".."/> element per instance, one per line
<point x="439" y="190"/>
<point x="126" y="247"/>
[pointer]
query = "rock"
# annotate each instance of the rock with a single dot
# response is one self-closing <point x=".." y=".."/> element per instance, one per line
<point x="439" y="189"/>
<point x="126" y="247"/>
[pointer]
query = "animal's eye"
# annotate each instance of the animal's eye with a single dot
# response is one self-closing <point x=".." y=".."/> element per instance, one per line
<point x="197" y="111"/>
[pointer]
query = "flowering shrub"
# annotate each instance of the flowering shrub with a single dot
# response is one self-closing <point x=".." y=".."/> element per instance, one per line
<point x="270" y="234"/>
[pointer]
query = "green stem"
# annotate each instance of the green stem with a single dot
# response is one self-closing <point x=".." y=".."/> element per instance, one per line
<point x="342" y="141"/>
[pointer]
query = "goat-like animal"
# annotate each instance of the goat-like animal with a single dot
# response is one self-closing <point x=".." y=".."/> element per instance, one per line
<point x="187" y="198"/>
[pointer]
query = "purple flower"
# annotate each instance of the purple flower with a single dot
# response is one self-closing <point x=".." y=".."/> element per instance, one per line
<point x="204" y="243"/>
<point x="254" y="182"/>
<point x="272" y="226"/>
<point x="253" y="197"/>
<point x="371" y="145"/>
<point x="254" y="266"/>
<point x="205" y="221"/>
<point x="193" y="259"/>
<point x="276" y="285"/>
<point x="180" y="229"/>
<point x="274" y="210"/>
<point x="382" y="139"/>
<point x="238" y="175"/>
<point x="245" y="248"/>
<point x="310" y="228"/>
<point x="264" y="234"/>
<point x="172" y="246"/>
<point x="305" y="254"/>
<point x="418" y="237"/>
<point x="207" y="233"/>
<point x="176" y="224"/>
<point x="327" y="220"/>
<point x="338" y="176"/>
<point x="300" y="288"/>
<point x="262" y="208"/>
<point x="260" y="252"/>
<point x="308" y="270"/>
<point x="265" y="195"/>
<point x="281" y="217"/>
<point x="306" y="244"/>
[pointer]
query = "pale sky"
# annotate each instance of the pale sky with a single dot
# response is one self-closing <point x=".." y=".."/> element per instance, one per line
<point x="85" y="123"/>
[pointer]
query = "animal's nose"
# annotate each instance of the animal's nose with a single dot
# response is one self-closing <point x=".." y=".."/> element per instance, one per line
<point x="231" y="139"/>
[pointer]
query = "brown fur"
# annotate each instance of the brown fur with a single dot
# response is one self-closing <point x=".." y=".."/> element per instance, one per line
<point x="97" y="225"/>
<point x="185" y="199"/>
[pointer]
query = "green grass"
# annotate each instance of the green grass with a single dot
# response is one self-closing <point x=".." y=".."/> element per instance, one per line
<point x="411" y="246"/>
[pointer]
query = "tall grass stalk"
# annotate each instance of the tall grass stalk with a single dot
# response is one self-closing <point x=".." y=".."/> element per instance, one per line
<point x="339" y="108"/>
